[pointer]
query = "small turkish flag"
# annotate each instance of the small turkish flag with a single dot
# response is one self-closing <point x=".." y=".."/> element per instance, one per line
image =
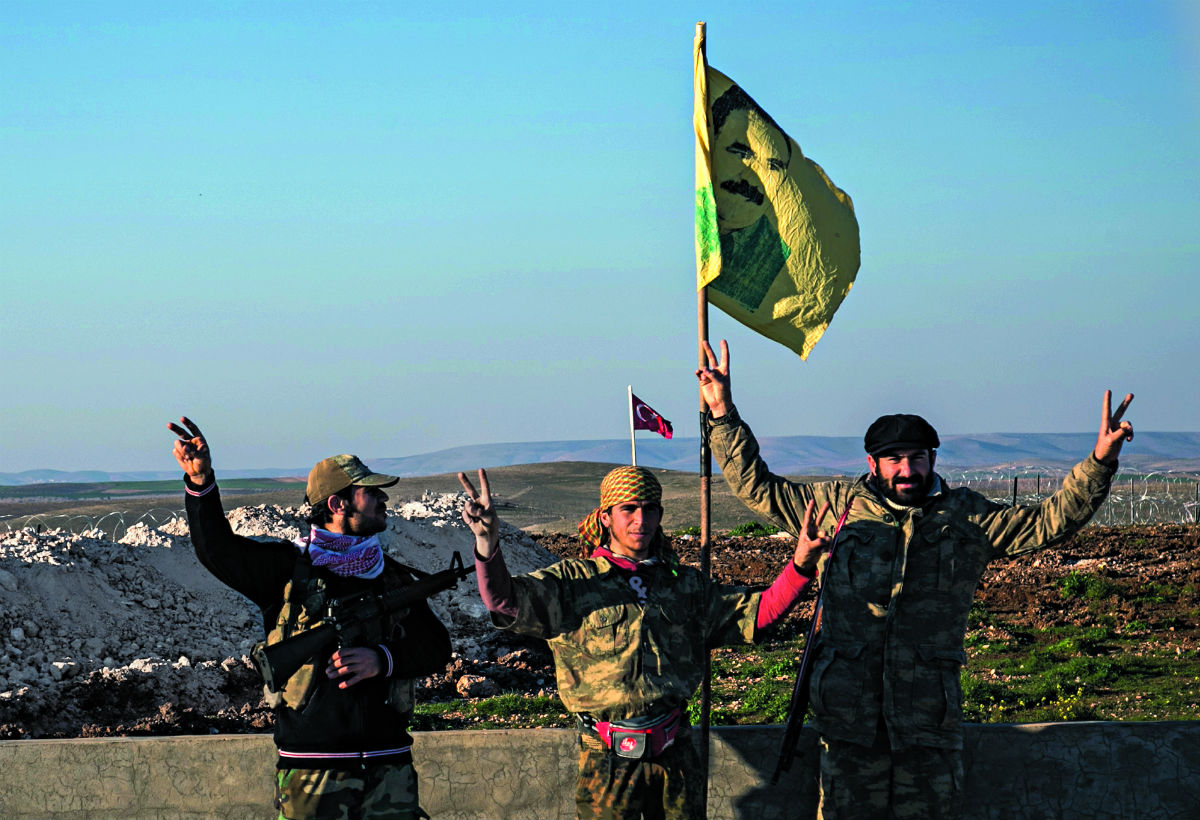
<point x="646" y="417"/>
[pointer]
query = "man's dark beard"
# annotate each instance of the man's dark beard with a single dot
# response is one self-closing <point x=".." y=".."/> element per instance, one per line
<point x="916" y="494"/>
<point x="364" y="530"/>
<point x="357" y="525"/>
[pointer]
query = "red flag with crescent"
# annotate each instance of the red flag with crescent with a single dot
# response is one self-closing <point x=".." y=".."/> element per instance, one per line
<point x="646" y="417"/>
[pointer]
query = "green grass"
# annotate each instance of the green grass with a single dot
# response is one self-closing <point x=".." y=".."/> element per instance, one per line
<point x="753" y="528"/>
<point x="1072" y="673"/>
<point x="504" y="711"/>
<point x="751" y="687"/>
<point x="1061" y="674"/>
<point x="1156" y="593"/>
<point x="1084" y="585"/>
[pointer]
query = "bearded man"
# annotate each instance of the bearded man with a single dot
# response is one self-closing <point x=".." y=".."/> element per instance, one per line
<point x="885" y="686"/>
<point x="341" y="721"/>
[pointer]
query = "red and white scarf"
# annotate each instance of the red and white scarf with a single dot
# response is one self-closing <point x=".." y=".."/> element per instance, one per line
<point x="346" y="555"/>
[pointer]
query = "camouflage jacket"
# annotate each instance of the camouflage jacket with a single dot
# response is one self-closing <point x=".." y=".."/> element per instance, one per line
<point x="900" y="586"/>
<point x="617" y="657"/>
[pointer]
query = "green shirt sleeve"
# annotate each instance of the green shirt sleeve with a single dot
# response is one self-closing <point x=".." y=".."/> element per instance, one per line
<point x="1017" y="530"/>
<point x="773" y="497"/>
<point x="732" y="614"/>
<point x="545" y="604"/>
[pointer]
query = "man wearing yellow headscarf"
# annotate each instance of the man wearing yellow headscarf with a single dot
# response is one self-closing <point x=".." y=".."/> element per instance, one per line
<point x="630" y="628"/>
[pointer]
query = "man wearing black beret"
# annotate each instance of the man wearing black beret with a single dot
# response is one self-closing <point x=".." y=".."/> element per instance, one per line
<point x="885" y="687"/>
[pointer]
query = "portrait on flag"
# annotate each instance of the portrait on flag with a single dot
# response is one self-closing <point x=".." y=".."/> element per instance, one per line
<point x="777" y="242"/>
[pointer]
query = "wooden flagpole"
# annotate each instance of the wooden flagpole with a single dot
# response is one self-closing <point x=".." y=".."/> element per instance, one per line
<point x="705" y="506"/>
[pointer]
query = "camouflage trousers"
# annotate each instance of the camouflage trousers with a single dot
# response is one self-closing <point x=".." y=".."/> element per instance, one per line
<point x="384" y="791"/>
<point x="865" y="783"/>
<point x="667" y="787"/>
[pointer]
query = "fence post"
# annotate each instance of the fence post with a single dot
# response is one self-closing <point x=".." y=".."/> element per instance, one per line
<point x="1131" y="491"/>
<point x="1014" y="491"/>
<point x="1038" y="492"/>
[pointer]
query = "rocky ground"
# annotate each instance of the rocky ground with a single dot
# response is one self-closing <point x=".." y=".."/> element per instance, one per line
<point x="101" y="638"/>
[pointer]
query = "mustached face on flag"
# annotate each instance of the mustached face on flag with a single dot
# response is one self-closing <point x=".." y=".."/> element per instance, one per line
<point x="646" y="417"/>
<point x="776" y="241"/>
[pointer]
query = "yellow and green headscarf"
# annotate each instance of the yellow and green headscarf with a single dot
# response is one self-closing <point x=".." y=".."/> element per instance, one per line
<point x="618" y="487"/>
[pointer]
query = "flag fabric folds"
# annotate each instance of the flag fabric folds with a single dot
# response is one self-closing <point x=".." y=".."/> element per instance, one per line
<point x="776" y="241"/>
<point x="646" y="417"/>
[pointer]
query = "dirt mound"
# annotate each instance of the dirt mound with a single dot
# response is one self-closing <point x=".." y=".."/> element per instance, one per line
<point x="1143" y="575"/>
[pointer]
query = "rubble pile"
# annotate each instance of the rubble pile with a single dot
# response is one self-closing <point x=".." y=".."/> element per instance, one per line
<point x="93" y="629"/>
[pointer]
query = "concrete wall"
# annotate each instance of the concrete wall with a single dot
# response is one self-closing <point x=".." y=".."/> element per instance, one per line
<point x="1054" y="770"/>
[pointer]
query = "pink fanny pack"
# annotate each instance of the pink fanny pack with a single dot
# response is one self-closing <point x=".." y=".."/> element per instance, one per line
<point x="637" y="738"/>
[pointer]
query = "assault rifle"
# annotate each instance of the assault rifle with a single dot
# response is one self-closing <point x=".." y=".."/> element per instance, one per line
<point x="345" y="622"/>
<point x="798" y="707"/>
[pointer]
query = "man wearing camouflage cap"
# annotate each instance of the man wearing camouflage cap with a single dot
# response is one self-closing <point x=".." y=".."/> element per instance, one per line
<point x="341" y="721"/>
<point x="630" y="628"/>
<point x="885" y="687"/>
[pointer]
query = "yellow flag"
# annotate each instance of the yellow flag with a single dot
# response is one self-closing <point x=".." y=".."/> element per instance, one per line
<point x="776" y="241"/>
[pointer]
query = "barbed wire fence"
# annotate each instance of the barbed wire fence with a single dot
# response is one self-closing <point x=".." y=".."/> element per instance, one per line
<point x="1136" y="498"/>
<point x="110" y="525"/>
<point x="1168" y="497"/>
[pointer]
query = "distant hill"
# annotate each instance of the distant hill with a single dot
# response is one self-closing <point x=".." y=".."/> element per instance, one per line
<point x="787" y="455"/>
<point x="816" y="455"/>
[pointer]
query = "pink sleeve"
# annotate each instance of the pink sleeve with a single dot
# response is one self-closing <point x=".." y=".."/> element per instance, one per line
<point x="495" y="584"/>
<point x="781" y="596"/>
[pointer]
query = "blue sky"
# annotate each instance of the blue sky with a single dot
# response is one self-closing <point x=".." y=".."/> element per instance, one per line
<point x="393" y="228"/>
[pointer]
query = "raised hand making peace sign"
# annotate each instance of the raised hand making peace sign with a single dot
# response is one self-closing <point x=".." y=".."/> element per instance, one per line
<point x="478" y="514"/>
<point x="813" y="541"/>
<point x="1113" y="432"/>
<point x="191" y="451"/>
<point x="715" y="387"/>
